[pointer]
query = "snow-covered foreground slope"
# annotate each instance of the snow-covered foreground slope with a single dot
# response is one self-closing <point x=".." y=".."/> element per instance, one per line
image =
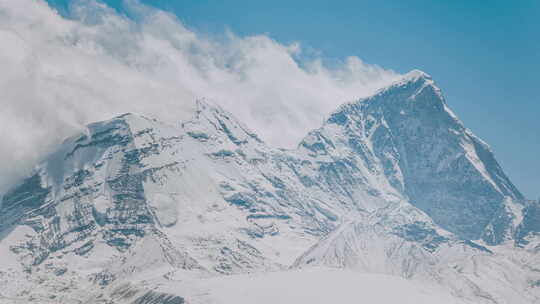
<point x="132" y="209"/>
<point x="471" y="272"/>
<point x="314" y="286"/>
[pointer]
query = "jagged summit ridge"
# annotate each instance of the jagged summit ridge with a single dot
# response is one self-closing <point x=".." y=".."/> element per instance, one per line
<point x="222" y="121"/>
<point x="418" y="77"/>
<point x="134" y="198"/>
<point x="413" y="76"/>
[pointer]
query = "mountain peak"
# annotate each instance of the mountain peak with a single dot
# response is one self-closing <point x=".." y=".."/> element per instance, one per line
<point x="415" y="75"/>
<point x="416" y="79"/>
<point x="415" y="88"/>
<point x="218" y="120"/>
<point x="409" y="133"/>
<point x="205" y="105"/>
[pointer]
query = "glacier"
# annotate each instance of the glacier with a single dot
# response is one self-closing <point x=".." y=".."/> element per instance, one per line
<point x="391" y="188"/>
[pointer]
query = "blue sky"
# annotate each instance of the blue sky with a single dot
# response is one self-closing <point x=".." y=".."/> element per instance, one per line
<point x="485" y="55"/>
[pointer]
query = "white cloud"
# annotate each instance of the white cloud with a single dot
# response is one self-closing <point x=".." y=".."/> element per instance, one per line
<point x="59" y="74"/>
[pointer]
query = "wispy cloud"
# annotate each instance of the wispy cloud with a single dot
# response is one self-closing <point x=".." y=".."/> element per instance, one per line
<point x="59" y="74"/>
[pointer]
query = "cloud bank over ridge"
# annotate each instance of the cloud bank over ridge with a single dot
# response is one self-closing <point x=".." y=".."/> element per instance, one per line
<point x="60" y="73"/>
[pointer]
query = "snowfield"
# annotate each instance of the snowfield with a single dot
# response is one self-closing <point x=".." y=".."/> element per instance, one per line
<point x="314" y="286"/>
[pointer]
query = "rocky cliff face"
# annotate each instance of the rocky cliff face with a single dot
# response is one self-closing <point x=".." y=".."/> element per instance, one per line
<point x="393" y="183"/>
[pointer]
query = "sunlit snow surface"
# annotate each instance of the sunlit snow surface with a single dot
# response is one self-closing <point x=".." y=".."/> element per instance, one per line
<point x="313" y="286"/>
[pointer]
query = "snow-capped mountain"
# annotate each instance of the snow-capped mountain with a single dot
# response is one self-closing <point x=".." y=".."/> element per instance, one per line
<point x="134" y="210"/>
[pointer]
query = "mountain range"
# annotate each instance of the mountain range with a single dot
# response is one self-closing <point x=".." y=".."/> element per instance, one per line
<point x="135" y="210"/>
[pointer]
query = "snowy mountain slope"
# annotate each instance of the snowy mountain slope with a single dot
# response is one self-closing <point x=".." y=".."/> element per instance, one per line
<point x="132" y="194"/>
<point x="389" y="184"/>
<point x="383" y="243"/>
<point x="407" y="137"/>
